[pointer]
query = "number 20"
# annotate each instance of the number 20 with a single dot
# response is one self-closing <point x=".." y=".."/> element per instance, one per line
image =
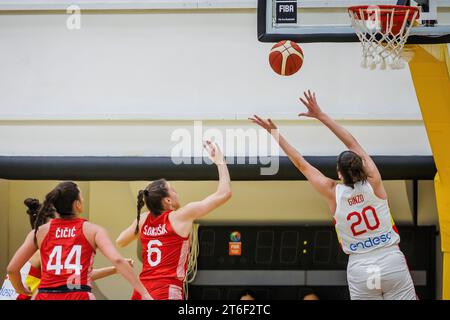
<point x="363" y="216"/>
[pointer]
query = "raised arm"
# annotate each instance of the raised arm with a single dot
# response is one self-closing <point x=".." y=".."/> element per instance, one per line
<point x="314" y="111"/>
<point x="122" y="266"/>
<point x="325" y="186"/>
<point x="198" y="209"/>
<point x="128" y="235"/>
<point x="25" y="252"/>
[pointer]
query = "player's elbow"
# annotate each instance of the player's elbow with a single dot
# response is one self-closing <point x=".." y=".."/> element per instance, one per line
<point x="228" y="194"/>
<point x="10" y="269"/>
<point x="118" y="261"/>
<point x="225" y="196"/>
<point x="119" y="243"/>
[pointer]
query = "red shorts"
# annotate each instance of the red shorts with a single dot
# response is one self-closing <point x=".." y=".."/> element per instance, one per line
<point x="162" y="290"/>
<point x="65" y="296"/>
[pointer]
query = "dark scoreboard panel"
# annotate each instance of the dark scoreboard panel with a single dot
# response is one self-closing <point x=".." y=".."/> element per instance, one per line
<point x="299" y="247"/>
<point x="281" y="248"/>
<point x="303" y="248"/>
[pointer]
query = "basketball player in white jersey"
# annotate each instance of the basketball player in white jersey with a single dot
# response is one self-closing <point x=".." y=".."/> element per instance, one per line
<point x="377" y="269"/>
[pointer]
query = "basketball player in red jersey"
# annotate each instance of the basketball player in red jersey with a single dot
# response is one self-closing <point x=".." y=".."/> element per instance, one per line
<point x="377" y="268"/>
<point x="164" y="231"/>
<point x="31" y="272"/>
<point x="67" y="246"/>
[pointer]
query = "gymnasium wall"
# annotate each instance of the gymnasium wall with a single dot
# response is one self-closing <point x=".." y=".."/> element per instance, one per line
<point x="114" y="88"/>
<point x="178" y="65"/>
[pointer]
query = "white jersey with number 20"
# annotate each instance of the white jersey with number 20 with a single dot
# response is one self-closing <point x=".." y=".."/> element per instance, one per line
<point x="363" y="221"/>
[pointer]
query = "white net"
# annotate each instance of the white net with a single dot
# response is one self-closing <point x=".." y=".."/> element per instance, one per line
<point x="383" y="32"/>
<point x="191" y="272"/>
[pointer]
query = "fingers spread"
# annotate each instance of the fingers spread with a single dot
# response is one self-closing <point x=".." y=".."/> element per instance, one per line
<point x="304" y="102"/>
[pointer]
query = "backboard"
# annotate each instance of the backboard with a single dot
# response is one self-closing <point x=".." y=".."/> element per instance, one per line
<point x="328" y="20"/>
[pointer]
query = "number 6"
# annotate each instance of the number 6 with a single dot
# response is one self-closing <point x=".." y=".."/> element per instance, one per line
<point x="154" y="250"/>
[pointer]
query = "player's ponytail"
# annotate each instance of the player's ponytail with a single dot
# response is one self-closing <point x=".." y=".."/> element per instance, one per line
<point x="33" y="206"/>
<point x="47" y="208"/>
<point x="60" y="200"/>
<point x="351" y="167"/>
<point x="140" y="204"/>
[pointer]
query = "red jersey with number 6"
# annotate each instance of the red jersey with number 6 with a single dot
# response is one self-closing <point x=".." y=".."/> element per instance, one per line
<point x="363" y="221"/>
<point x="66" y="255"/>
<point x="164" y="252"/>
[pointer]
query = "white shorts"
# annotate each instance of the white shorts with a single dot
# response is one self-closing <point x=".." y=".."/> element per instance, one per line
<point x="381" y="274"/>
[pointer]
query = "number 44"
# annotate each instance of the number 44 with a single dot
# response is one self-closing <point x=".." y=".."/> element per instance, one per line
<point x="74" y="254"/>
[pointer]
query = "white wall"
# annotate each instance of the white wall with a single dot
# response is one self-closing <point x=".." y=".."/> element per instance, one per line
<point x="157" y="64"/>
<point x="154" y="138"/>
<point x="165" y="66"/>
<point x="179" y="65"/>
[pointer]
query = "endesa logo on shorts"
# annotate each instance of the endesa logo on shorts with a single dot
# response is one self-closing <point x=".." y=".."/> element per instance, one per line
<point x="371" y="242"/>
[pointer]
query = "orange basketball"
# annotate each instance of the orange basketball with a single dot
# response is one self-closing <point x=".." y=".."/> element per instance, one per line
<point x="286" y="58"/>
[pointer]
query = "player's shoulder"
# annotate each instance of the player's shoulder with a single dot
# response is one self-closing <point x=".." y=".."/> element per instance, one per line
<point x="43" y="229"/>
<point x="376" y="189"/>
<point x="143" y="218"/>
<point x="186" y="209"/>
<point x="91" y="230"/>
<point x="41" y="233"/>
<point x="92" y="227"/>
<point x="340" y="188"/>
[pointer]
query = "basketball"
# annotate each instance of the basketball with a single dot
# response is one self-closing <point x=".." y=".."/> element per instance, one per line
<point x="286" y="58"/>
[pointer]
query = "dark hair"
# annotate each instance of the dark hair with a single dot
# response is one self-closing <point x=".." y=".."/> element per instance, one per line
<point x="152" y="197"/>
<point x="60" y="200"/>
<point x="350" y="165"/>
<point x="33" y="209"/>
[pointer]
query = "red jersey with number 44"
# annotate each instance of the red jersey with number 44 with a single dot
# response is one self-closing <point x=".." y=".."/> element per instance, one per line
<point x="363" y="221"/>
<point x="66" y="255"/>
<point x="164" y="252"/>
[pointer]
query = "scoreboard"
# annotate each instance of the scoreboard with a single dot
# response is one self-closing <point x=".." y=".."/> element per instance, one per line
<point x="311" y="252"/>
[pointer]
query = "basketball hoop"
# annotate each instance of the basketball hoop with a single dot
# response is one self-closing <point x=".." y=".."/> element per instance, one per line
<point x="383" y="31"/>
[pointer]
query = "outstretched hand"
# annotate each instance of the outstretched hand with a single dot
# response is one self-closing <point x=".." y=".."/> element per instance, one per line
<point x="309" y="100"/>
<point x="214" y="152"/>
<point x="268" y="125"/>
